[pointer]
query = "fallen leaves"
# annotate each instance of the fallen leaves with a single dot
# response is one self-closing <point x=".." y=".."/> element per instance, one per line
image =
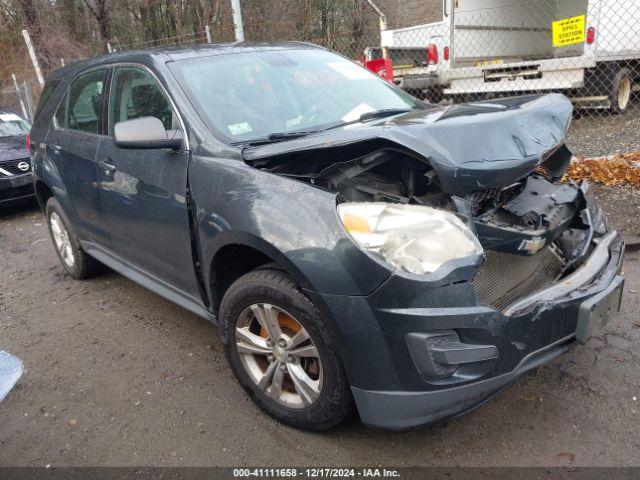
<point x="571" y="457"/>
<point x="617" y="170"/>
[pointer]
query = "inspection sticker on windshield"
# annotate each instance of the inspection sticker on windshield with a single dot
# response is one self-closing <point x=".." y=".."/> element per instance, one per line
<point x="240" y="128"/>
<point x="9" y="117"/>
<point x="350" y="70"/>
<point x="569" y="31"/>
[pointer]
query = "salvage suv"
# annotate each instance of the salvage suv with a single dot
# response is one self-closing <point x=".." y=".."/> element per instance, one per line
<point x="356" y="246"/>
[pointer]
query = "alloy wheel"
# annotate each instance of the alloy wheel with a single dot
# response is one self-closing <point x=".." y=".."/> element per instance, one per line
<point x="62" y="240"/>
<point x="279" y="355"/>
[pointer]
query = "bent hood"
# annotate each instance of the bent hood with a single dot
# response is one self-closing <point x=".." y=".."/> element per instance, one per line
<point x="471" y="146"/>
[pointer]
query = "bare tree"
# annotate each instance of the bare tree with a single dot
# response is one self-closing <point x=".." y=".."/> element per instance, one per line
<point x="34" y="26"/>
<point x="100" y="10"/>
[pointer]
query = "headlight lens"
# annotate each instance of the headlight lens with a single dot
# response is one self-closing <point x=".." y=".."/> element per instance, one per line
<point x="414" y="238"/>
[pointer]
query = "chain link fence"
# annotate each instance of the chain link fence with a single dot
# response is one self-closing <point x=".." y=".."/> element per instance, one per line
<point x="18" y="99"/>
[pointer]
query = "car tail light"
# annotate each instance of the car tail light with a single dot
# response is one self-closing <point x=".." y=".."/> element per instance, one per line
<point x="591" y="35"/>
<point x="432" y="54"/>
<point x="445" y="54"/>
<point x="29" y="143"/>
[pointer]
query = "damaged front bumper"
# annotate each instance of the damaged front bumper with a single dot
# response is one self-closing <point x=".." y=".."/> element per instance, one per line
<point x="420" y="365"/>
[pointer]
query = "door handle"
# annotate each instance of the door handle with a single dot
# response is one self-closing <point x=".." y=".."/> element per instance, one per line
<point x="56" y="148"/>
<point x="107" y="168"/>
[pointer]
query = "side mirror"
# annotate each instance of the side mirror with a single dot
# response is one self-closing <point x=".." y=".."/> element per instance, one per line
<point x="145" y="132"/>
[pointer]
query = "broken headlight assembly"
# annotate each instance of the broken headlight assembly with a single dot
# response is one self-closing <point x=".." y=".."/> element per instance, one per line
<point x="597" y="218"/>
<point x="417" y="239"/>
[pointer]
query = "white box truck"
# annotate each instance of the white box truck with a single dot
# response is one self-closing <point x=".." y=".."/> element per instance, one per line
<point x="587" y="49"/>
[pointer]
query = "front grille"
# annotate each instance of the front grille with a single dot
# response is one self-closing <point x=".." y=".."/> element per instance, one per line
<point x="16" y="192"/>
<point x="505" y="278"/>
<point x="11" y="166"/>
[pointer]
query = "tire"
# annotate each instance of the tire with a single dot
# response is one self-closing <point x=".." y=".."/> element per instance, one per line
<point x="621" y="92"/>
<point x="273" y="288"/>
<point x="82" y="265"/>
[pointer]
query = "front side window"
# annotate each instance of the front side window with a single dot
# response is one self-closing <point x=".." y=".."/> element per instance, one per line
<point x="249" y="95"/>
<point x="11" y="125"/>
<point x="84" y="108"/>
<point x="135" y="94"/>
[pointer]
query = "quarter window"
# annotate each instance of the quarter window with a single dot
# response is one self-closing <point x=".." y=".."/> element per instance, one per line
<point x="61" y="113"/>
<point x="135" y="94"/>
<point x="47" y="91"/>
<point x="85" y="102"/>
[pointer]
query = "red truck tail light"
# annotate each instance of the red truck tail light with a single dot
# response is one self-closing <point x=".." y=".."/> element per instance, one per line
<point x="591" y="35"/>
<point x="432" y="54"/>
<point x="29" y="143"/>
<point x="445" y="54"/>
<point x="382" y="67"/>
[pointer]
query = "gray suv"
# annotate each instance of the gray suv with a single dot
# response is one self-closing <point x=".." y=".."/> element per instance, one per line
<point x="355" y="246"/>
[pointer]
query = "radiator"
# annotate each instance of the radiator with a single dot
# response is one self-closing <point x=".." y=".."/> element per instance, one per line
<point x="505" y="278"/>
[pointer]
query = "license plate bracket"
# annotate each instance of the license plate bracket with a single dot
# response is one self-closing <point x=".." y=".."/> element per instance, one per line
<point x="596" y="312"/>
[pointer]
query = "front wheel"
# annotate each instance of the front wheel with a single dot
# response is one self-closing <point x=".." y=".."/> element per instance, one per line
<point x="282" y="353"/>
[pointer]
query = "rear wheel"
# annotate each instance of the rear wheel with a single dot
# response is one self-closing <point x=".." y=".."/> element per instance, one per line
<point x="622" y="90"/>
<point x="282" y="353"/>
<point x="73" y="258"/>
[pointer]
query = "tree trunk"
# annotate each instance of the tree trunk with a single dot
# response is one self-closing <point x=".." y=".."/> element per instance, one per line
<point x="100" y="11"/>
<point x="37" y="37"/>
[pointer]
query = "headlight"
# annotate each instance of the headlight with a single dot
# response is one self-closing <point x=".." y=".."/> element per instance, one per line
<point x="414" y="238"/>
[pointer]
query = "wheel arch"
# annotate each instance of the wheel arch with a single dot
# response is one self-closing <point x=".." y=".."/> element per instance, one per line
<point x="239" y="253"/>
<point x="43" y="193"/>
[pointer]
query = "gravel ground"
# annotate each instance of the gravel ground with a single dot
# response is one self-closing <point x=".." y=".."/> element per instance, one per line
<point x="115" y="375"/>
<point x="596" y="133"/>
<point x="622" y="206"/>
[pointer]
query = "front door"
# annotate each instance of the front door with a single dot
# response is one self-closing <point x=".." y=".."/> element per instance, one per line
<point x="144" y="190"/>
<point x="71" y="145"/>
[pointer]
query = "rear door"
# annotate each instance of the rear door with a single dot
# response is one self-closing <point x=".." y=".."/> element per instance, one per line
<point x="145" y="190"/>
<point x="72" y="144"/>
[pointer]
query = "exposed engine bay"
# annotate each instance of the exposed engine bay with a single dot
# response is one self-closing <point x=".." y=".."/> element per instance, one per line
<point x="534" y="231"/>
<point x="533" y="228"/>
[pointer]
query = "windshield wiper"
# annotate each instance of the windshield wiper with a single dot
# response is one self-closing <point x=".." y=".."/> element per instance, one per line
<point x="280" y="136"/>
<point x="272" y="137"/>
<point x="386" y="112"/>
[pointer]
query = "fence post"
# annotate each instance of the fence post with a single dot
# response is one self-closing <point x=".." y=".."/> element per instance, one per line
<point x="383" y="25"/>
<point x="15" y="84"/>
<point x="29" y="99"/>
<point x="207" y="32"/>
<point x="237" y="20"/>
<point x="62" y="61"/>
<point x="34" y="59"/>
<point x="108" y="47"/>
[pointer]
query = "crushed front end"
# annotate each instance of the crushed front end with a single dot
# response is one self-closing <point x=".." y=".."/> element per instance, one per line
<point x="446" y="342"/>
<point x="432" y="342"/>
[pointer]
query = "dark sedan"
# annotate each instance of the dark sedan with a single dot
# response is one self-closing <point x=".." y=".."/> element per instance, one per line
<point x="15" y="165"/>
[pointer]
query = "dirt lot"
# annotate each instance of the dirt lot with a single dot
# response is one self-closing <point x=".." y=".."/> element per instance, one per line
<point x="115" y="375"/>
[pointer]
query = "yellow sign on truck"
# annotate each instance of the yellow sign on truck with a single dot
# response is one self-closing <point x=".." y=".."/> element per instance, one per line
<point x="569" y="31"/>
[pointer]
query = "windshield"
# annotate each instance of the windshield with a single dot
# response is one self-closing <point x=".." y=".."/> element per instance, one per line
<point x="12" y="125"/>
<point x="250" y="95"/>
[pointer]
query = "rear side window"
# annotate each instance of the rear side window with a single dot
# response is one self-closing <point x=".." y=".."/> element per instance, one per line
<point x="47" y="91"/>
<point x="134" y="94"/>
<point x="84" y="106"/>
